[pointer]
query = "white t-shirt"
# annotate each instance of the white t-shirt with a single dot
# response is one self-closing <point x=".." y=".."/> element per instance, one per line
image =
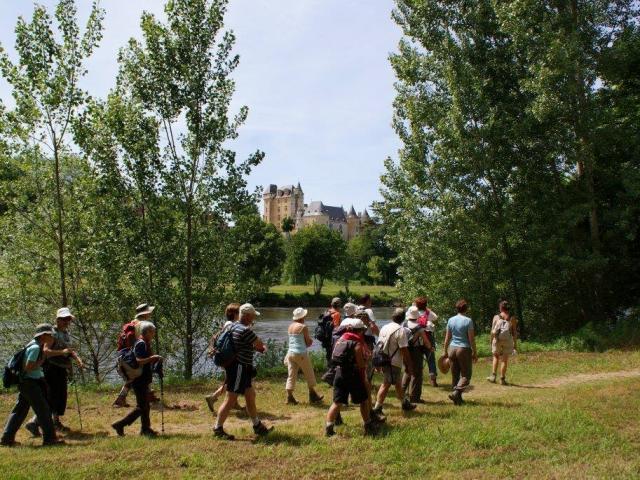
<point x="372" y="318"/>
<point x="394" y="337"/>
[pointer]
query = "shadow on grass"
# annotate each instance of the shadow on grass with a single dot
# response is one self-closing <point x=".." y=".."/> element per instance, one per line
<point x="282" y="438"/>
<point x="491" y="403"/>
<point x="264" y="415"/>
<point x="77" y="435"/>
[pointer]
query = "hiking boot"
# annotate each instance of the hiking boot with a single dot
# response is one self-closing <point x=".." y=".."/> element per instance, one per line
<point x="60" y="427"/>
<point x="339" y="420"/>
<point x="377" y="416"/>
<point x="261" y="429"/>
<point x="121" y="402"/>
<point x="407" y="406"/>
<point x="149" y="433"/>
<point x="503" y="381"/>
<point x="118" y="428"/>
<point x="291" y="399"/>
<point x="492" y="378"/>
<point x="370" y="429"/>
<point x="56" y="442"/>
<point x="220" y="433"/>
<point x="33" y="429"/>
<point x="211" y="401"/>
<point x="314" y="397"/>
<point x="456" y="397"/>
<point x="329" y="431"/>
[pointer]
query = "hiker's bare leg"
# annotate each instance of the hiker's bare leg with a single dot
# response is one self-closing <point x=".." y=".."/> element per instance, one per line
<point x="333" y="412"/>
<point x="223" y="411"/>
<point x="494" y="367"/>
<point x="382" y="393"/>
<point x="503" y="369"/>
<point x="250" y="399"/>
<point x="399" y="391"/>
<point x="365" y="411"/>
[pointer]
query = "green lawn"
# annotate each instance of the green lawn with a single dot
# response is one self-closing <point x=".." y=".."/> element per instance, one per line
<point x="332" y="289"/>
<point x="568" y="415"/>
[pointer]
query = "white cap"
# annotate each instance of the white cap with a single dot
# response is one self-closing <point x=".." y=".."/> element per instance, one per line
<point x="413" y="313"/>
<point x="64" y="312"/>
<point x="299" y="313"/>
<point x="350" y="309"/>
<point x="353" y="324"/>
<point x="248" y="308"/>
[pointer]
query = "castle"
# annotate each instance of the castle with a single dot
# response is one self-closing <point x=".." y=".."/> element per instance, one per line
<point x="288" y="202"/>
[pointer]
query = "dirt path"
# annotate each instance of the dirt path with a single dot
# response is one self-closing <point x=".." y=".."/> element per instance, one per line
<point x="586" y="378"/>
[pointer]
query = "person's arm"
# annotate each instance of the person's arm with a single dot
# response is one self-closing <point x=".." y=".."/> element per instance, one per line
<point x="514" y="332"/>
<point x="361" y="366"/>
<point x="472" y="341"/>
<point x="259" y="345"/>
<point x="33" y="363"/>
<point x="307" y="338"/>
<point x="447" y="341"/>
<point x="49" y="352"/>
<point x="151" y="359"/>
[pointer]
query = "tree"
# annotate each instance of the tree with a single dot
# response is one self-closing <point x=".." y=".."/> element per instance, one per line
<point x="287" y="226"/>
<point x="315" y="253"/>
<point x="45" y="83"/>
<point x="180" y="76"/>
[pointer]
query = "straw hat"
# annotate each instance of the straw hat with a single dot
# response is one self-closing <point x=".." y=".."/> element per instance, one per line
<point x="444" y="364"/>
<point x="144" y="309"/>
<point x="413" y="313"/>
<point x="299" y="313"/>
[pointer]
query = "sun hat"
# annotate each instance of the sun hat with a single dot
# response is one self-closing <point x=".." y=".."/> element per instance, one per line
<point x="144" y="309"/>
<point x="336" y="302"/>
<point x="350" y="309"/>
<point x="43" y="329"/>
<point x="64" y="312"/>
<point x="413" y="313"/>
<point x="444" y="364"/>
<point x="353" y="324"/>
<point x="299" y="313"/>
<point x="248" y="308"/>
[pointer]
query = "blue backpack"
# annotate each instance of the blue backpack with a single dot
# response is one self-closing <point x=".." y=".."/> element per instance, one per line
<point x="224" y="348"/>
<point x="13" y="370"/>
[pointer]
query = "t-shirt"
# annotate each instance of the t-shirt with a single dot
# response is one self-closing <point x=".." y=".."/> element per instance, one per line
<point x="335" y="317"/>
<point x="431" y="320"/>
<point x="460" y="326"/>
<point x="372" y="318"/>
<point x="142" y="350"/>
<point x="61" y="340"/>
<point x="243" y="339"/>
<point x="32" y="355"/>
<point x="394" y="337"/>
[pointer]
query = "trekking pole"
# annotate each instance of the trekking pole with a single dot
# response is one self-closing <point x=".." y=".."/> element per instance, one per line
<point x="160" y="372"/>
<point x="75" y="387"/>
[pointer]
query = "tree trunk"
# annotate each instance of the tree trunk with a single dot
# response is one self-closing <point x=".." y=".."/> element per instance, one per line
<point x="188" y="360"/>
<point x="60" y="242"/>
<point x="150" y="295"/>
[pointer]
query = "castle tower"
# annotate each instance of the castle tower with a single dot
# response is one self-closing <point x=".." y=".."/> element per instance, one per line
<point x="282" y="202"/>
<point x="353" y="224"/>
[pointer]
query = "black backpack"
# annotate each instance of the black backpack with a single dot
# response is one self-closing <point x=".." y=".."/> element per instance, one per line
<point x="13" y="370"/>
<point x="324" y="329"/>
<point x="344" y="353"/>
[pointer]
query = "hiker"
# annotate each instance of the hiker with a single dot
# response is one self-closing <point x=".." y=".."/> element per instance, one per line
<point x="372" y="328"/>
<point x="240" y="372"/>
<point x="128" y="336"/>
<point x="57" y="369"/>
<point x="350" y="381"/>
<point x="298" y="359"/>
<point x="460" y="349"/>
<point x="428" y="320"/>
<point x="504" y="335"/>
<point x="328" y="321"/>
<point x="393" y="347"/>
<point x="32" y="391"/>
<point x="419" y="346"/>
<point x="232" y="314"/>
<point x="144" y="358"/>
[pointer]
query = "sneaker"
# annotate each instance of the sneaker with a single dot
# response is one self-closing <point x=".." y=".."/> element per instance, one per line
<point x="33" y="429"/>
<point x="456" y="398"/>
<point x="492" y="378"/>
<point x="314" y="398"/>
<point x="329" y="431"/>
<point x="60" y="427"/>
<point x="291" y="400"/>
<point x="118" y="428"/>
<point x="220" y="433"/>
<point x="211" y="401"/>
<point x="407" y="406"/>
<point x="56" y="442"/>
<point x="261" y="429"/>
<point x="503" y="381"/>
<point x="377" y="416"/>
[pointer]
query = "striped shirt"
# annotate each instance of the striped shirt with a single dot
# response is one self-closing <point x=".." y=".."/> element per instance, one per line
<point x="243" y="339"/>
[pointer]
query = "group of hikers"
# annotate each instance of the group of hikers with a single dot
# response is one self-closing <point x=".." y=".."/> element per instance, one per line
<point x="355" y="348"/>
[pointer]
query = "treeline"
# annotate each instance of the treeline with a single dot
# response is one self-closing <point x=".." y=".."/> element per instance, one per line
<point x="519" y="175"/>
<point x="107" y="203"/>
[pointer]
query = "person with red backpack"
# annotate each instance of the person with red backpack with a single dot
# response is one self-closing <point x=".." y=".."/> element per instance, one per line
<point x="126" y="339"/>
<point x="419" y="346"/>
<point x="428" y="320"/>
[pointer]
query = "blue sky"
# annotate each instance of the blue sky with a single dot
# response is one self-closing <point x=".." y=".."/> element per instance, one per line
<point x="314" y="74"/>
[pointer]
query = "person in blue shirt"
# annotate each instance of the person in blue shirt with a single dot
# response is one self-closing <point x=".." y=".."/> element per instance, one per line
<point x="460" y="349"/>
<point x="32" y="391"/>
<point x="144" y="358"/>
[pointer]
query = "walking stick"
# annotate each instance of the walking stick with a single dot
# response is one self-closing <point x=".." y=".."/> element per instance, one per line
<point x="160" y="372"/>
<point x="75" y="387"/>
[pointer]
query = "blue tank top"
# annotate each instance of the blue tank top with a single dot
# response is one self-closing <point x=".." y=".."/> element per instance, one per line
<point x="297" y="344"/>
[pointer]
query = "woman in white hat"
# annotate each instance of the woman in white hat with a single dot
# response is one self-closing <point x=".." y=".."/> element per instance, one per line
<point x="297" y="357"/>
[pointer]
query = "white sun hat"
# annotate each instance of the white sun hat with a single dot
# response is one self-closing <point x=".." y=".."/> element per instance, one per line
<point x="353" y="324"/>
<point x="248" y="308"/>
<point x="413" y="313"/>
<point x="64" y="312"/>
<point x="299" y="313"/>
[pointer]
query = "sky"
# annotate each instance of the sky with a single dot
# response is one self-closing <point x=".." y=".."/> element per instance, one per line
<point x="315" y="75"/>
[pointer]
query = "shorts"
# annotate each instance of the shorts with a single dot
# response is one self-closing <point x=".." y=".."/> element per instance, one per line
<point x="391" y="375"/>
<point x="238" y="377"/>
<point x="348" y="384"/>
<point x="502" y="347"/>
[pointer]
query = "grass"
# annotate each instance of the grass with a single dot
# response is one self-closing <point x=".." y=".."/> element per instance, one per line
<point x="568" y="415"/>
<point x="333" y="289"/>
<point x="293" y="295"/>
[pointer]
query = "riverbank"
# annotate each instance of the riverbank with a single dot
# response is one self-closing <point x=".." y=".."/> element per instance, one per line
<point x="302" y="295"/>
<point x="562" y="408"/>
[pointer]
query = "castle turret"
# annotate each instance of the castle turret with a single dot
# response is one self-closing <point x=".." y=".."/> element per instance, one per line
<point x="353" y="224"/>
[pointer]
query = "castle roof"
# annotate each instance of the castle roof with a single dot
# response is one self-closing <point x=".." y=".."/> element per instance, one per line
<point x="352" y="212"/>
<point x="319" y="208"/>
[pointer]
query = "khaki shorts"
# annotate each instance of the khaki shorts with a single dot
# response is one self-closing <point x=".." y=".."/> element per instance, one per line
<point x="502" y="347"/>
<point x="391" y="375"/>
